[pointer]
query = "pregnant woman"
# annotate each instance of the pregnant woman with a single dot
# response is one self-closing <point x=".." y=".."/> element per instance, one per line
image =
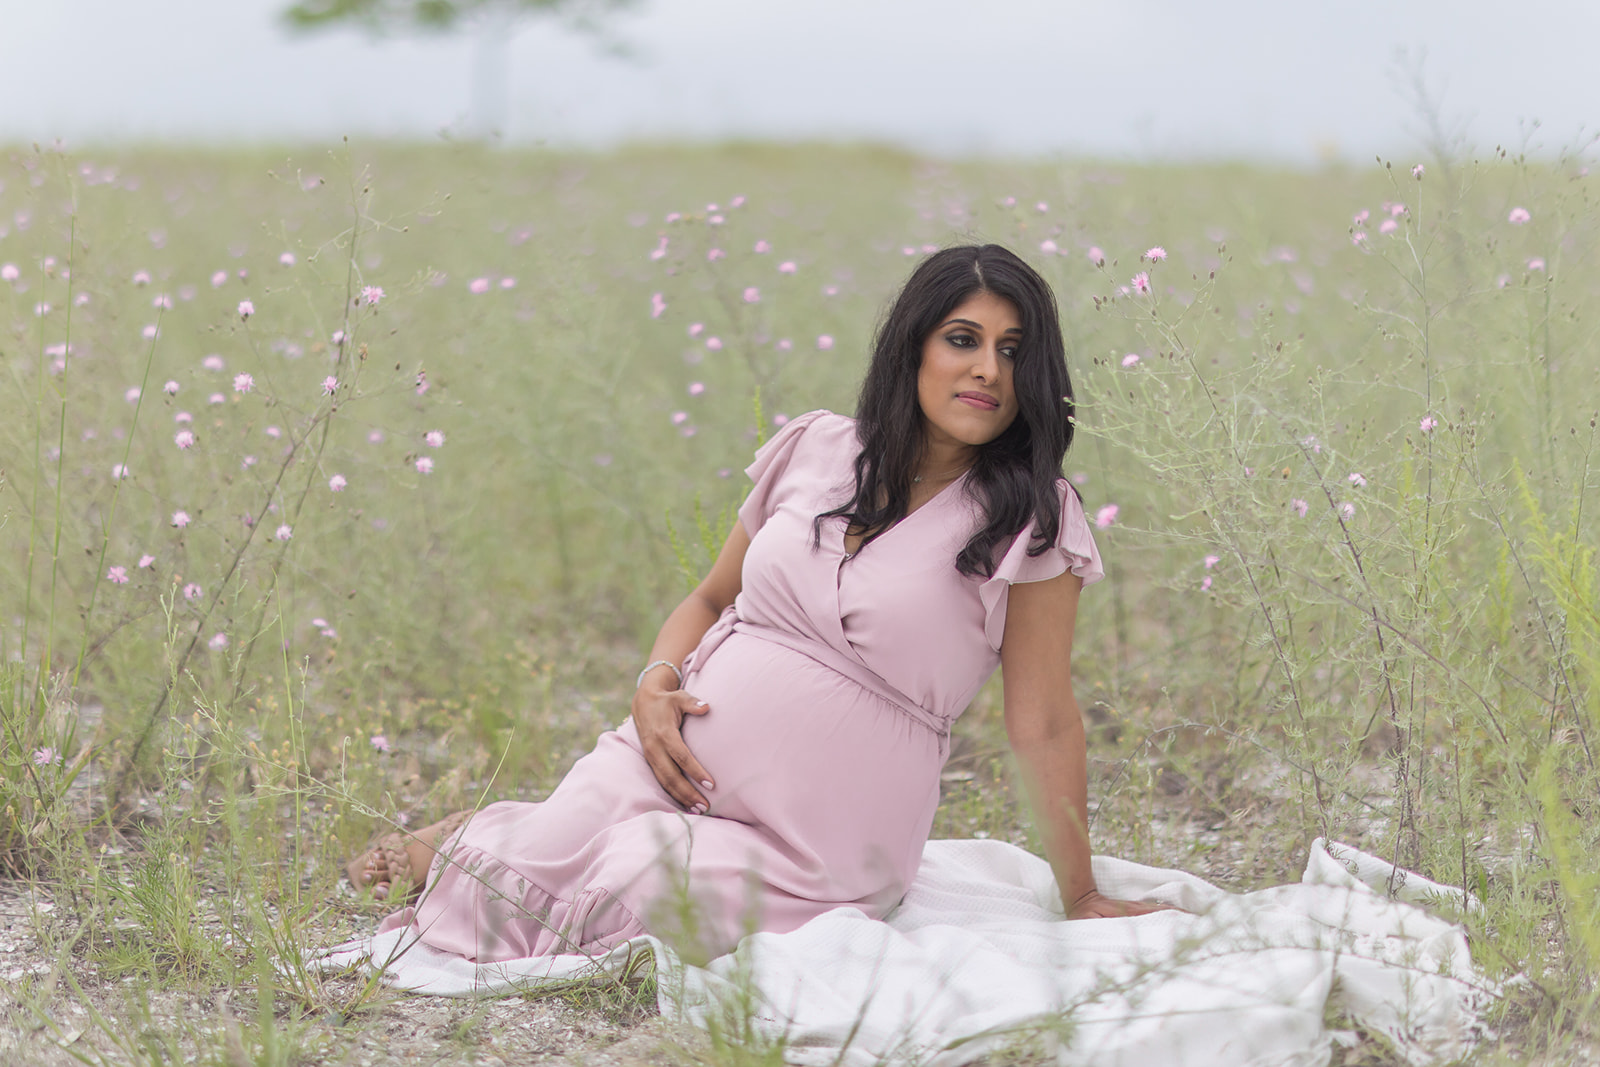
<point x="787" y="734"/>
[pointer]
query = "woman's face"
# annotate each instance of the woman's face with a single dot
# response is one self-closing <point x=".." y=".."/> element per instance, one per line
<point x="965" y="384"/>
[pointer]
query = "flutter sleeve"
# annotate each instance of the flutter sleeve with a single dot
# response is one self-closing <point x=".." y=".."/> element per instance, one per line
<point x="766" y="471"/>
<point x="1074" y="550"/>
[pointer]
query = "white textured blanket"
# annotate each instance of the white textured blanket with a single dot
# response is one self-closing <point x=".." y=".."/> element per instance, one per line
<point x="977" y="959"/>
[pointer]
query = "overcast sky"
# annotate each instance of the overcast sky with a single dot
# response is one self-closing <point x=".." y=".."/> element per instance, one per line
<point x="1272" y="79"/>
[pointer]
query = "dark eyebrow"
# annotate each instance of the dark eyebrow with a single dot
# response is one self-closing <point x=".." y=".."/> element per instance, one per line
<point x="975" y="326"/>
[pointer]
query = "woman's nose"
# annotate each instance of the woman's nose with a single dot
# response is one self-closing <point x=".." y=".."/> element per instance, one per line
<point x="987" y="366"/>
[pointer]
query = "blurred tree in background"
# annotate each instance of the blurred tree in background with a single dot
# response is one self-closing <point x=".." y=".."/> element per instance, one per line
<point x="492" y="22"/>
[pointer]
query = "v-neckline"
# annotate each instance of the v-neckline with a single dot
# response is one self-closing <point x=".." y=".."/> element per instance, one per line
<point x="848" y="555"/>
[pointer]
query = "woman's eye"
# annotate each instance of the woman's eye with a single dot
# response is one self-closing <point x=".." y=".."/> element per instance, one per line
<point x="1010" y="352"/>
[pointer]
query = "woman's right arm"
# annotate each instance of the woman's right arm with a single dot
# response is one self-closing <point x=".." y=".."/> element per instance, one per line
<point x="658" y="705"/>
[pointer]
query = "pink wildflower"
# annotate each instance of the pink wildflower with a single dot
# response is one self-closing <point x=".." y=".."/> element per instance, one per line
<point x="145" y="561"/>
<point x="824" y="342"/>
<point x="1141" y="282"/>
<point x="329" y="384"/>
<point x="119" y="471"/>
<point x="141" y="277"/>
<point x="1300" y="506"/>
<point x="1048" y="247"/>
<point x="679" y="418"/>
<point x="715" y="254"/>
<point x="45" y="757"/>
<point x="118" y="575"/>
<point x="337" y="483"/>
<point x="435" y="438"/>
<point x="422" y="382"/>
<point x="162" y="301"/>
<point x="1388" y="226"/>
<point x="192" y="591"/>
<point x="1156" y="254"/>
<point x="479" y="285"/>
<point x="216" y="398"/>
<point x="1347" y="510"/>
<point x="180" y="519"/>
<point x="284" y="532"/>
<point x="286" y="260"/>
<point x="9" y="272"/>
<point x="1358" y="479"/>
<point x="714" y="344"/>
<point x="762" y="247"/>
<point x="697" y="388"/>
<point x="212" y="362"/>
<point x="1130" y="359"/>
<point x="1428" y="424"/>
<point x="752" y="295"/>
<point x="1211" y="561"/>
<point x="786" y="267"/>
<point x="696" y="329"/>
<point x="246" y="309"/>
<point x="425" y="465"/>
<point x="1097" y="255"/>
<point x="1536" y="263"/>
<point x="243" y="383"/>
<point x="132" y="394"/>
<point x="171" y="388"/>
<point x="1106" y="516"/>
<point x="1418" y="171"/>
<point x="219" y="279"/>
<point x="184" y="439"/>
<point x="218" y="642"/>
<point x="1518" y="216"/>
<point x="371" y="295"/>
<point x="1205" y="584"/>
<point x="658" y="304"/>
<point x="380" y="742"/>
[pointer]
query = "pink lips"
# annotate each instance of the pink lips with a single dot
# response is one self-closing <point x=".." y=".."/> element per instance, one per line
<point x="979" y="400"/>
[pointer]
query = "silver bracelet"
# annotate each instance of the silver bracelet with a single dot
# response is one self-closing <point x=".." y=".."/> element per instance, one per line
<point x="653" y="666"/>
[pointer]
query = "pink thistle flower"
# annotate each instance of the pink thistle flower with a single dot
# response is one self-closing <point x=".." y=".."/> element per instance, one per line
<point x="824" y="342"/>
<point x="696" y="329"/>
<point x="673" y="216"/>
<point x="714" y="344"/>
<point x="784" y="344"/>
<point x="1106" y="515"/>
<point x="273" y="432"/>
<point x="9" y="272"/>
<point x="830" y="290"/>
<point x="1358" y="479"/>
<point x="284" y="532"/>
<point x="286" y="260"/>
<point x="171" y="388"/>
<point x="697" y="388"/>
<point x="688" y="431"/>
<point x="1300" y="506"/>
<point x="1428" y="424"/>
<point x="1536" y="263"/>
<point x="118" y="575"/>
<point x="716" y="220"/>
<point x="119" y="471"/>
<point x="1130" y="359"/>
<point x="422" y="382"/>
<point x="218" y="642"/>
<point x="336" y="338"/>
<point x="245" y="464"/>
<point x="1211" y="561"/>
<point x="184" y="439"/>
<point x="145" y="561"/>
<point x="371" y="295"/>
<point x="1310" y="441"/>
<point x="679" y="418"/>
<point x="435" y="438"/>
<point x="375" y="437"/>
<point x="1361" y="217"/>
<point x="715" y="254"/>
<point x="162" y="302"/>
<point x="1418" y="171"/>
<point x="660" y="250"/>
<point x="1041" y="207"/>
<point x="132" y="394"/>
<point x="337" y="483"/>
<point x="1141" y="282"/>
<point x="216" y="398"/>
<point x="148" y="333"/>
<point x="243" y="383"/>
<point x="246" y="309"/>
<point x="479" y="285"/>
<point x="1097" y="255"/>
<point x="658" y="304"/>
<point x="780" y="420"/>
<point x="380" y="742"/>
<point x="787" y="267"/>
<point x="329" y="384"/>
<point x="1388" y="226"/>
<point x="1358" y="238"/>
<point x="762" y="248"/>
<point x="141" y="277"/>
<point x="45" y="757"/>
<point x="1048" y="247"/>
<point x="1347" y="510"/>
<point x="1396" y="210"/>
<point x="752" y="295"/>
<point x="180" y="519"/>
<point x="737" y="201"/>
<point x="425" y="465"/>
<point x="192" y="591"/>
<point x="1205" y="583"/>
<point x="212" y="362"/>
<point x="1518" y="216"/>
<point x="219" y="279"/>
<point x="908" y="250"/>
<point x="1156" y="254"/>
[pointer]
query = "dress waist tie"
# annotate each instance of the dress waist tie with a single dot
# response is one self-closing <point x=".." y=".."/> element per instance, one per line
<point x="828" y="656"/>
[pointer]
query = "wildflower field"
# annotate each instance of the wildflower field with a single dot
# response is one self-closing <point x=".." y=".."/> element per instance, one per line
<point x="343" y="488"/>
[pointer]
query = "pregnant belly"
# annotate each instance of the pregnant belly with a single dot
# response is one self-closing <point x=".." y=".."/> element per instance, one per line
<point x="843" y="782"/>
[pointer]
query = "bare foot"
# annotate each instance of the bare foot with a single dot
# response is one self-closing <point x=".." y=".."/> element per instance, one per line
<point x="394" y="868"/>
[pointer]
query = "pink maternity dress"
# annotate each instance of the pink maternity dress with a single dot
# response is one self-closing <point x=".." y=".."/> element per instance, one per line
<point x="832" y="682"/>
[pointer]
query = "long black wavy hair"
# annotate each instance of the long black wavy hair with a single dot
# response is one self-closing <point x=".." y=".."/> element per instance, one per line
<point x="1015" y="475"/>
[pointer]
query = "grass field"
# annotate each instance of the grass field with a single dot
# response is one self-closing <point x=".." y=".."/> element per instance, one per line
<point x="346" y="487"/>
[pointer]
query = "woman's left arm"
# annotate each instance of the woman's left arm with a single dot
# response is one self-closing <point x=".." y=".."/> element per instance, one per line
<point x="1046" y="734"/>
